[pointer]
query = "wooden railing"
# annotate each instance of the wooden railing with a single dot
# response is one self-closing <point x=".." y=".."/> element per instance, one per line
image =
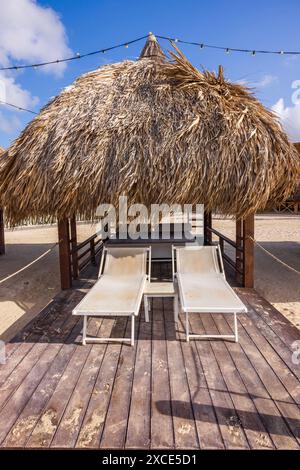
<point x="236" y="265"/>
<point x="84" y="253"/>
<point x="73" y="256"/>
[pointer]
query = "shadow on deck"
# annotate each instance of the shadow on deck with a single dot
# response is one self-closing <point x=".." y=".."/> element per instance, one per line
<point x="162" y="393"/>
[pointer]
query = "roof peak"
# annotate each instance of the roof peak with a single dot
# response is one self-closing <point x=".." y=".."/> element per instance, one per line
<point x="151" y="37"/>
<point x="152" y="49"/>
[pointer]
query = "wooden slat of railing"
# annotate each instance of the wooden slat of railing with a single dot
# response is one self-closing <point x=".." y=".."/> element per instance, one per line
<point x="85" y="242"/>
<point x="94" y="246"/>
<point x="92" y="258"/>
<point x="223" y="237"/>
<point x="83" y="253"/>
<point x="237" y="267"/>
<point x="231" y="263"/>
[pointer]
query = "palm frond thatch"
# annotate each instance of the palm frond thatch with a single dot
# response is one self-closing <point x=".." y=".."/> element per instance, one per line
<point x="155" y="130"/>
<point x="296" y="194"/>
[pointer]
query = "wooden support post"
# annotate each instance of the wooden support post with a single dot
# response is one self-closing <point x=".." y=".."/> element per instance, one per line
<point x="2" y="238"/>
<point x="93" y="254"/>
<point x="64" y="253"/>
<point x="238" y="251"/>
<point x="207" y="224"/>
<point x="248" y="251"/>
<point x="75" y="269"/>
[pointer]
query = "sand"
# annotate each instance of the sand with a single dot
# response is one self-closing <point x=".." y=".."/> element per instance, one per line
<point x="279" y="234"/>
<point x="25" y="295"/>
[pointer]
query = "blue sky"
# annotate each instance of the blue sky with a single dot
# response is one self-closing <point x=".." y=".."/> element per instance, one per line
<point x="30" y="31"/>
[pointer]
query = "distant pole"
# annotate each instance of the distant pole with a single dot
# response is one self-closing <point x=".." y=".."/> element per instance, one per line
<point x="248" y="251"/>
<point x="2" y="239"/>
<point x="64" y="253"/>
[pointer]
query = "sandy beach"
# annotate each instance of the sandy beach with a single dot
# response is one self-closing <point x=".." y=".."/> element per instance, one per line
<point x="280" y="235"/>
<point x="23" y="296"/>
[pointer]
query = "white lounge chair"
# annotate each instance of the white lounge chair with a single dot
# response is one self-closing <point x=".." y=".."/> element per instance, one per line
<point x="118" y="292"/>
<point x="203" y="287"/>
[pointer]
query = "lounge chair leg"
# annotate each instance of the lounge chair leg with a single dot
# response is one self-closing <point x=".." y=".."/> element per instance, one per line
<point x="236" y="329"/>
<point x="187" y="330"/>
<point x="176" y="309"/>
<point x="132" y="330"/>
<point x="84" y="330"/>
<point x="146" y="308"/>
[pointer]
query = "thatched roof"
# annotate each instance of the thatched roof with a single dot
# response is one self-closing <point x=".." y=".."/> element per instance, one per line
<point x="296" y="194"/>
<point x="156" y="130"/>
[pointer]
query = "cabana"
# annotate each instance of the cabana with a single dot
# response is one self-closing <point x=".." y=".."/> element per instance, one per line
<point x="292" y="204"/>
<point x="158" y="131"/>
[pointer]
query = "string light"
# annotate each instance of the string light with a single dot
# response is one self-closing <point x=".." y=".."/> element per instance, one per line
<point x="231" y="49"/>
<point x="17" y="107"/>
<point x="127" y="43"/>
<point x="76" y="56"/>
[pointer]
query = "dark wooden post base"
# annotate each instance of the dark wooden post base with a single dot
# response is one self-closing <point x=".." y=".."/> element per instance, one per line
<point x="239" y="252"/>
<point x="64" y="253"/>
<point x="2" y="239"/>
<point x="74" y="254"/>
<point x="248" y="251"/>
<point x="207" y="225"/>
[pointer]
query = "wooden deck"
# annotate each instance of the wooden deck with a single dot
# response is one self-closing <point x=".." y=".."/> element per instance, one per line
<point x="162" y="393"/>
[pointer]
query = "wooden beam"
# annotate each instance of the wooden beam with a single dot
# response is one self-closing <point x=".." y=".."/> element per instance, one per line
<point x="64" y="253"/>
<point x="238" y="251"/>
<point x="2" y="238"/>
<point x="248" y="251"/>
<point x="207" y="224"/>
<point x="75" y="270"/>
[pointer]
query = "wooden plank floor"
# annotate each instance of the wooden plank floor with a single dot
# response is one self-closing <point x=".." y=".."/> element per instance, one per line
<point x="162" y="393"/>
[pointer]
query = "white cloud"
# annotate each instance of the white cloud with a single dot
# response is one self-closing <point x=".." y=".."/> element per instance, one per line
<point x="266" y="81"/>
<point x="12" y="92"/>
<point x="290" y="118"/>
<point x="28" y="33"/>
<point x="242" y="81"/>
<point x="32" y="33"/>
